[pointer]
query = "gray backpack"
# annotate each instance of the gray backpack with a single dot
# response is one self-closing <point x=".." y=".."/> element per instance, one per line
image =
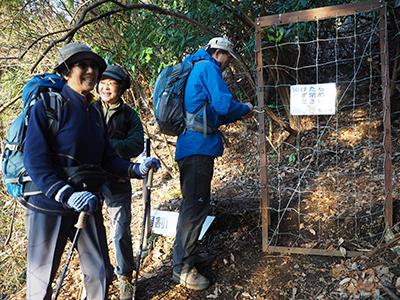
<point x="169" y="108"/>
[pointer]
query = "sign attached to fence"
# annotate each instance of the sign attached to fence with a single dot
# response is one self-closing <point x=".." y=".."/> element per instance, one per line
<point x="313" y="99"/>
<point x="164" y="223"/>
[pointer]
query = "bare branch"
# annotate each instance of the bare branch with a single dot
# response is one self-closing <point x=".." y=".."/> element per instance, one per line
<point x="81" y="22"/>
<point x="38" y="39"/>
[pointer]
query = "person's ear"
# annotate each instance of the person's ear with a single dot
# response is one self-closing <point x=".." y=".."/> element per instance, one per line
<point x="65" y="75"/>
<point x="216" y="54"/>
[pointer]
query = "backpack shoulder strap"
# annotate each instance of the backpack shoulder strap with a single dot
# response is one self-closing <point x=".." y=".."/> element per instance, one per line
<point x="200" y="61"/>
<point x="190" y="117"/>
<point x="53" y="104"/>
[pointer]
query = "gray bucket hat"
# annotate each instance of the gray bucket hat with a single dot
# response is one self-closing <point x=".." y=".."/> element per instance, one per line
<point x="117" y="73"/>
<point x="221" y="43"/>
<point x="74" y="52"/>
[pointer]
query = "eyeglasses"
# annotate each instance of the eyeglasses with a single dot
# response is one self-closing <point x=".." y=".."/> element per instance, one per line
<point x="84" y="66"/>
<point x="112" y="84"/>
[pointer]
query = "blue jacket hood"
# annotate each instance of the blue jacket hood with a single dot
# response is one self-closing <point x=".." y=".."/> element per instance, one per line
<point x="202" y="54"/>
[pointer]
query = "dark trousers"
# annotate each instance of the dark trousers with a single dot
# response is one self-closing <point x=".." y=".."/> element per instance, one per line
<point x="119" y="210"/>
<point x="47" y="237"/>
<point x="196" y="172"/>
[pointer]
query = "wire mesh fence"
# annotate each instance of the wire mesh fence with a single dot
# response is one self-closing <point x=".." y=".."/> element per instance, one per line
<point x="327" y="182"/>
<point x="329" y="179"/>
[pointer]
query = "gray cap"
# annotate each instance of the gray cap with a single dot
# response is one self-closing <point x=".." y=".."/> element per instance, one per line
<point x="117" y="73"/>
<point x="74" y="52"/>
<point x="221" y="43"/>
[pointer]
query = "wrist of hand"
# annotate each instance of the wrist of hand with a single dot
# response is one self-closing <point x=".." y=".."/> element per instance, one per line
<point x="63" y="194"/>
<point x="142" y="168"/>
<point x="133" y="171"/>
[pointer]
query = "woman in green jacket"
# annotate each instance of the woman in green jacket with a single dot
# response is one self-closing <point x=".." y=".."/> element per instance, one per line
<point x="126" y="135"/>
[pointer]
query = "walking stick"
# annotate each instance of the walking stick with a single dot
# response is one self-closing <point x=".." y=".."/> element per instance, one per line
<point x="146" y="212"/>
<point x="146" y="191"/>
<point x="79" y="225"/>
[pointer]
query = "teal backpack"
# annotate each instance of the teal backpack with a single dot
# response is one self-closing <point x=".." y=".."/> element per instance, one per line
<point x="43" y="86"/>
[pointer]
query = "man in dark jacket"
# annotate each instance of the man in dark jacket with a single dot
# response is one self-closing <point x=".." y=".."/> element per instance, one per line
<point x="126" y="134"/>
<point x="195" y="154"/>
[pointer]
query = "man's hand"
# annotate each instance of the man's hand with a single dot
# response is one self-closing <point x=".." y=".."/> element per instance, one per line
<point x="142" y="168"/>
<point x="250" y="113"/>
<point x="83" y="201"/>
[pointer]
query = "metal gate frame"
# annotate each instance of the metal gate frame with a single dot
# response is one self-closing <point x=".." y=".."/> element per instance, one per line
<point x="312" y="15"/>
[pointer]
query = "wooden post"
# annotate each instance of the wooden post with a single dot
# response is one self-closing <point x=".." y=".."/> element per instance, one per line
<point x="264" y="202"/>
<point x="386" y="114"/>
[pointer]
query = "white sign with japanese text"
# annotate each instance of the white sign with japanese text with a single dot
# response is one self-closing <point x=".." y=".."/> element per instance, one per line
<point x="164" y="223"/>
<point x="313" y="99"/>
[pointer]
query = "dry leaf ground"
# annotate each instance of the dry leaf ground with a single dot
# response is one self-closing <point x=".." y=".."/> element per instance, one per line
<point x="239" y="269"/>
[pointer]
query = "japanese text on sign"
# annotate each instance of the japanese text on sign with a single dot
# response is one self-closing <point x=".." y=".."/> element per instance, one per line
<point x="313" y="99"/>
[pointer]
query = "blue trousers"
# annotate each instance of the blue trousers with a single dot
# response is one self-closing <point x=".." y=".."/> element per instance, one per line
<point x="196" y="172"/>
<point x="47" y="237"/>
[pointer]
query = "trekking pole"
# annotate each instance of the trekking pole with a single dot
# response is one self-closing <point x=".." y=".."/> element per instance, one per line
<point x="146" y="192"/>
<point x="79" y="225"/>
<point x="149" y="183"/>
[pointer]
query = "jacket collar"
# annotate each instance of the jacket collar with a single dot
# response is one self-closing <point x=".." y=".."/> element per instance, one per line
<point x="71" y="94"/>
<point x="202" y="54"/>
<point x="114" y="106"/>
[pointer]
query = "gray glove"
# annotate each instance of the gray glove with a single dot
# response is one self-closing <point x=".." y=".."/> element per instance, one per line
<point x="83" y="201"/>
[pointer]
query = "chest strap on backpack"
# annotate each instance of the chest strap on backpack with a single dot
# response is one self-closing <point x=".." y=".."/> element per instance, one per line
<point x="194" y="123"/>
<point x="19" y="179"/>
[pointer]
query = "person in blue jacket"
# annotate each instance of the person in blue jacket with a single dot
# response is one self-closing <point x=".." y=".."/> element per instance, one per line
<point x="195" y="153"/>
<point x="126" y="134"/>
<point x="51" y="214"/>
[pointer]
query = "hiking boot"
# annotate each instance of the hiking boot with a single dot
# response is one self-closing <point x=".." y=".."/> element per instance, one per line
<point x="126" y="288"/>
<point x="192" y="280"/>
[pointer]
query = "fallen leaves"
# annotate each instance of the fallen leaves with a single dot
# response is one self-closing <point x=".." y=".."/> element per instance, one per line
<point x="363" y="278"/>
<point x="217" y="292"/>
<point x="343" y="251"/>
<point x="367" y="286"/>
